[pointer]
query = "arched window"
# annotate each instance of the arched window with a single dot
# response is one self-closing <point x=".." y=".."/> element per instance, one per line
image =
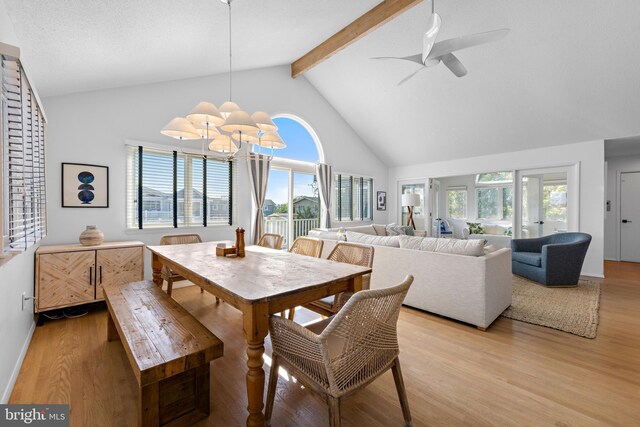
<point x="292" y="180"/>
<point x="301" y="140"/>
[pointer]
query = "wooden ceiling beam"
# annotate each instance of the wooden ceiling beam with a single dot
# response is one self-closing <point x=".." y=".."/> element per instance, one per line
<point x="373" y="19"/>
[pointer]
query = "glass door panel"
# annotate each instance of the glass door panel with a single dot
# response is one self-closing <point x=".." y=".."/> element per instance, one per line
<point x="544" y="204"/>
<point x="276" y="205"/>
<point x="418" y="211"/>
<point x="306" y="205"/>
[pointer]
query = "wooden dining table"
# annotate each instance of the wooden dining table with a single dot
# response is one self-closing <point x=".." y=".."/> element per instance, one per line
<point x="263" y="283"/>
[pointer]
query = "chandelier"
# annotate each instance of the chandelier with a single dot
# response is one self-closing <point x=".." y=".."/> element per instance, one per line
<point x="224" y="130"/>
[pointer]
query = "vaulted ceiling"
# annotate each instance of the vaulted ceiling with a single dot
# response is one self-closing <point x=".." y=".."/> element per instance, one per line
<point x="567" y="72"/>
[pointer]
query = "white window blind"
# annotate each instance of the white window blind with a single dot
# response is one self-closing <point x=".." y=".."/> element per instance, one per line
<point x="177" y="189"/>
<point x="354" y="198"/>
<point x="23" y="175"/>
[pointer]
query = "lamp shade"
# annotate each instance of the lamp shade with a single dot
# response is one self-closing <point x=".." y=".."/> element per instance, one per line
<point x="205" y="113"/>
<point x="206" y="131"/>
<point x="227" y="108"/>
<point x="410" y="200"/>
<point x="239" y="121"/>
<point x="271" y="140"/>
<point x="223" y="144"/>
<point x="250" y="136"/>
<point x="264" y="122"/>
<point x="180" y="128"/>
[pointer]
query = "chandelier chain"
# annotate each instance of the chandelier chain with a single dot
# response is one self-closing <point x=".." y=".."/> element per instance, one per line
<point x="230" y="62"/>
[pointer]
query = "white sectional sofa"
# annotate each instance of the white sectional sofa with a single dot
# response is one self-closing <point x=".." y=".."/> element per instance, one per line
<point x="472" y="289"/>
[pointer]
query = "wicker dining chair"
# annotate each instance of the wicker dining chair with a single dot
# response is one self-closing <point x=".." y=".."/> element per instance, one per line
<point x="308" y="246"/>
<point x="269" y="240"/>
<point x="341" y="354"/>
<point x="349" y="253"/>
<point x="177" y="239"/>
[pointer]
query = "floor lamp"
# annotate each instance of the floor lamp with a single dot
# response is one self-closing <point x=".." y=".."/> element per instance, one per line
<point x="410" y="201"/>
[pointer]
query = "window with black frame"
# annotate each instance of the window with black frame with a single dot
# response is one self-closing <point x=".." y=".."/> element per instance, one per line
<point x="174" y="189"/>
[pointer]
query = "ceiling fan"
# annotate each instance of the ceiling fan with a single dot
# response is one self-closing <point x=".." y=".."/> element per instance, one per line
<point x="433" y="53"/>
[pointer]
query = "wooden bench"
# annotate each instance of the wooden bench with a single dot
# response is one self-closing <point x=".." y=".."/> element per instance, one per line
<point x="169" y="351"/>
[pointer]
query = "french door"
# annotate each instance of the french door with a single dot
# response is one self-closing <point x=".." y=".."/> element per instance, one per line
<point x="292" y="203"/>
<point x="547" y="202"/>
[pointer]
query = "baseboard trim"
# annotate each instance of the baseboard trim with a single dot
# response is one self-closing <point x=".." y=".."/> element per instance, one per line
<point x="16" y="369"/>
<point x="599" y="276"/>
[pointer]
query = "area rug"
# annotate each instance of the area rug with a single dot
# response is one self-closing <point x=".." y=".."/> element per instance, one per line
<point x="573" y="310"/>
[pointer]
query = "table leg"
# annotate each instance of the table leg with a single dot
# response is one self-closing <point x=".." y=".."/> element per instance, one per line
<point x="156" y="267"/>
<point x="356" y="284"/>
<point x="256" y="327"/>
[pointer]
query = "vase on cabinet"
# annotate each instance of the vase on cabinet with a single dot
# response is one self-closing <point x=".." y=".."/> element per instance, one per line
<point x="92" y="236"/>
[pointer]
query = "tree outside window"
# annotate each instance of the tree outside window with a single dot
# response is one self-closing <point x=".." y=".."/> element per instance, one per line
<point x="457" y="204"/>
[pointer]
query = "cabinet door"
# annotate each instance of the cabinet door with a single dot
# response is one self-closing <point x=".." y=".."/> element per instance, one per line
<point x="66" y="278"/>
<point x="118" y="266"/>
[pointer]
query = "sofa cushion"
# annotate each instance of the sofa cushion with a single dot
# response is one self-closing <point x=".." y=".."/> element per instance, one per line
<point x="448" y="246"/>
<point x="496" y="229"/>
<point x="364" y="229"/>
<point x="529" y="258"/>
<point x="367" y="239"/>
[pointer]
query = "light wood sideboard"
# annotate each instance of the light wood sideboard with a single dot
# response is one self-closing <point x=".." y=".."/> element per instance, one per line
<point x="68" y="275"/>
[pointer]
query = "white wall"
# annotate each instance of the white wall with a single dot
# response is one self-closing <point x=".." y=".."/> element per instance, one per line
<point x="92" y="128"/>
<point x="590" y="156"/>
<point x="16" y="277"/>
<point x="616" y="165"/>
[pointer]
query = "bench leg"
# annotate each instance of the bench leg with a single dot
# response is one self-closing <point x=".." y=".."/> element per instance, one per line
<point x="148" y="406"/>
<point x="202" y="389"/>
<point x="112" y="332"/>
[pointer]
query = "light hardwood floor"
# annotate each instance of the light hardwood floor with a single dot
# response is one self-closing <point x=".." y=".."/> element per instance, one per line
<point x="513" y="374"/>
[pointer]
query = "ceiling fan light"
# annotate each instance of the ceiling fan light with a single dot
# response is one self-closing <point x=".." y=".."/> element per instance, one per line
<point x="205" y="113"/>
<point x="239" y="121"/>
<point x="227" y="108"/>
<point x="264" y="122"/>
<point x="180" y="128"/>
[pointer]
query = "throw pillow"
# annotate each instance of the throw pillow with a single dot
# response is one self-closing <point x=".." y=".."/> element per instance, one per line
<point x="475" y="228"/>
<point x="508" y="231"/>
<point x="394" y="229"/>
<point x="408" y="230"/>
<point x="368" y="239"/>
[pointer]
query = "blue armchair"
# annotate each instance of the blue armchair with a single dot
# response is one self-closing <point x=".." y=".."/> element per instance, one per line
<point x="554" y="260"/>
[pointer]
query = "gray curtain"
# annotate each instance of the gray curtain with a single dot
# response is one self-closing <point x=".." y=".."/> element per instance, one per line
<point x="324" y="185"/>
<point x="259" y="175"/>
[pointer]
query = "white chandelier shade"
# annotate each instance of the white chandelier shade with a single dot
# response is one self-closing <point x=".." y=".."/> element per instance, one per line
<point x="205" y="113"/>
<point x="239" y="121"/>
<point x="223" y="144"/>
<point x="180" y="128"/>
<point x="206" y="131"/>
<point x="264" y="122"/>
<point x="271" y="139"/>
<point x="227" y="108"/>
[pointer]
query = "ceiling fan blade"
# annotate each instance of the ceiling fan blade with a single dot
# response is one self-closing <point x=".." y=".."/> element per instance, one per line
<point x="429" y="39"/>
<point x="412" y="58"/>
<point x="401" y="82"/>
<point x="451" y="45"/>
<point x="454" y="64"/>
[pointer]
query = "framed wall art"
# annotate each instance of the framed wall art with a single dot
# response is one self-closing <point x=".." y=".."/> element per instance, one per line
<point x="382" y="201"/>
<point x="85" y="186"/>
